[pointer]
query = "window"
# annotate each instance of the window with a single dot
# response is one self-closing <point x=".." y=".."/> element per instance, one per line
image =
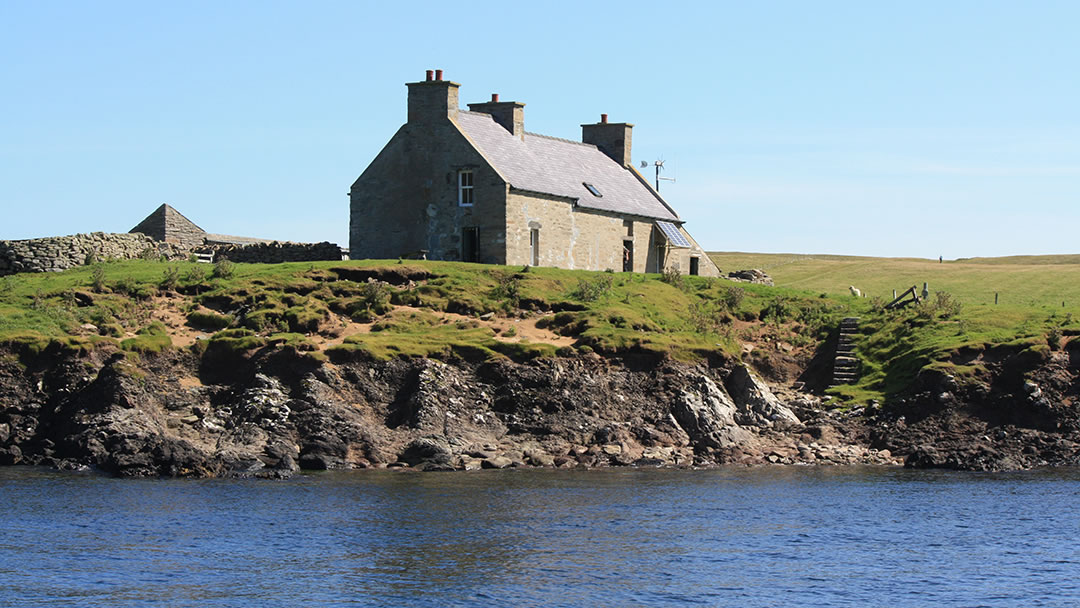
<point x="534" y="247"/>
<point x="591" y="188"/>
<point x="465" y="188"/>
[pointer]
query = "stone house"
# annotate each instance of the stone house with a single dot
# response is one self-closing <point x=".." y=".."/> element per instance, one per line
<point x="475" y="186"/>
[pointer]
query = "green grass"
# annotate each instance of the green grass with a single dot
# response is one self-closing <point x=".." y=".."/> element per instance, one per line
<point x="894" y="347"/>
<point x="1023" y="282"/>
<point x="686" y="318"/>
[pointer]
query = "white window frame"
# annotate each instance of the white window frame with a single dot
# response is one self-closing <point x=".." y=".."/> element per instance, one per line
<point x="465" y="189"/>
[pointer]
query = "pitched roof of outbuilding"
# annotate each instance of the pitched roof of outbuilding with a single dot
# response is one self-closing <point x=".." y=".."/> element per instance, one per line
<point x="560" y="167"/>
<point x="165" y="221"/>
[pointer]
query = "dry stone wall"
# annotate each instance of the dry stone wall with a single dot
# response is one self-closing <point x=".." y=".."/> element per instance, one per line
<point x="274" y="253"/>
<point x="58" y="253"/>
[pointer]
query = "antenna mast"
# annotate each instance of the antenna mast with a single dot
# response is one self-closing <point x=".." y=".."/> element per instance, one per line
<point x="659" y="167"/>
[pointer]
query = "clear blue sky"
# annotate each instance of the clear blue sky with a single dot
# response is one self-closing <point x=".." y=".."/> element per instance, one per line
<point x="868" y="128"/>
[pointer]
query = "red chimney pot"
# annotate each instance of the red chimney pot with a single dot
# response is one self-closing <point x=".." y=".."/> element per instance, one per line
<point x="603" y="118"/>
<point x="429" y="73"/>
<point x="438" y="74"/>
<point x="494" y="97"/>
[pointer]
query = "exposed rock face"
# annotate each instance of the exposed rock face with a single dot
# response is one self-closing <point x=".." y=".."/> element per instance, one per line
<point x="757" y="405"/>
<point x="159" y="419"/>
<point x="707" y="415"/>
<point x="283" y="413"/>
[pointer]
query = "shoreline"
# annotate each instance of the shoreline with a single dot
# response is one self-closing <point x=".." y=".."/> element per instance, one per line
<point x="280" y="414"/>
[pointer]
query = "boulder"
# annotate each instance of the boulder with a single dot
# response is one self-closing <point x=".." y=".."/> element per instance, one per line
<point x="707" y="415"/>
<point x="498" y="462"/>
<point x="427" y="451"/>
<point x="756" y="404"/>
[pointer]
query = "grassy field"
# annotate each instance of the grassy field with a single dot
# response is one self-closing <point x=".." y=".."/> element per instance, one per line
<point x="1038" y="302"/>
<point x="333" y="310"/>
<point x="422" y="308"/>
<point x="1021" y="282"/>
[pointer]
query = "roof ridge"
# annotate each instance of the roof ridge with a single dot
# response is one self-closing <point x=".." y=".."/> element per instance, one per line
<point x="564" y="140"/>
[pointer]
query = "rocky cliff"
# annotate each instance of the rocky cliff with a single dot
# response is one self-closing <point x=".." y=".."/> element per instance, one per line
<point x="170" y="414"/>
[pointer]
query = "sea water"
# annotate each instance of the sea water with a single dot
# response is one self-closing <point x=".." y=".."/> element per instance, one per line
<point x="747" y="537"/>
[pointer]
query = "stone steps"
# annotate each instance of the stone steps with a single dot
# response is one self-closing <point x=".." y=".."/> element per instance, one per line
<point x="846" y="363"/>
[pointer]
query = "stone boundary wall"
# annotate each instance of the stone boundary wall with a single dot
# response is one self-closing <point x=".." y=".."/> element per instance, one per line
<point x="275" y="252"/>
<point x="58" y="253"/>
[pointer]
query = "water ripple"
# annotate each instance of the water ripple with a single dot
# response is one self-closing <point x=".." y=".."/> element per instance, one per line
<point x="741" y="537"/>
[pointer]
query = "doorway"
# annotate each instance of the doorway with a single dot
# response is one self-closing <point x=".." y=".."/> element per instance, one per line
<point x="628" y="256"/>
<point x="470" y="244"/>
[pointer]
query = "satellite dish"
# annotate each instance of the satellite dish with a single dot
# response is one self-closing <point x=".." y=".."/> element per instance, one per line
<point x="644" y="164"/>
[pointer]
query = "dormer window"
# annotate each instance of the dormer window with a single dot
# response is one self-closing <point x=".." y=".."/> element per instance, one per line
<point x="465" y="188"/>
<point x="591" y="188"/>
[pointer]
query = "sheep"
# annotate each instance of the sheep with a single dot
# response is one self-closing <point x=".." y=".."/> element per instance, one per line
<point x="855" y="291"/>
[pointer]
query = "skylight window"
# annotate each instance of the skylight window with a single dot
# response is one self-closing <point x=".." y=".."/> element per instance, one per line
<point x="591" y="188"/>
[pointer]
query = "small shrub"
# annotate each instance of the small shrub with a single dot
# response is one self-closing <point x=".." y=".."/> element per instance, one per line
<point x="1053" y="338"/>
<point x="778" y="310"/>
<point x="196" y="275"/>
<point x="126" y="286"/>
<point x="375" y="297"/>
<point x="947" y="305"/>
<point x="704" y="318"/>
<point x="591" y="290"/>
<point x="97" y="278"/>
<point x="224" y="269"/>
<point x="510" y="332"/>
<point x="672" y="276"/>
<point x="150" y="253"/>
<point x="507" y="288"/>
<point x="171" y="278"/>
<point x="732" y="297"/>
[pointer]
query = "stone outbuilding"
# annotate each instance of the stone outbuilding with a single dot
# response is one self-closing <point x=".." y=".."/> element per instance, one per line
<point x="475" y="186"/>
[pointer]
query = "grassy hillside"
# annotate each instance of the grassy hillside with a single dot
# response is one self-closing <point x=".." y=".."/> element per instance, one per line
<point x="335" y="311"/>
<point x="1021" y="282"/>
<point x="387" y="308"/>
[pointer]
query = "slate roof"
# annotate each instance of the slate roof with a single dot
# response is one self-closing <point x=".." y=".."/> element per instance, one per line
<point x="549" y="165"/>
<point x="165" y="221"/>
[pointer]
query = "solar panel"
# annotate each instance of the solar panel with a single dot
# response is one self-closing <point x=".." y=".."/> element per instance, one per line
<point x="671" y="232"/>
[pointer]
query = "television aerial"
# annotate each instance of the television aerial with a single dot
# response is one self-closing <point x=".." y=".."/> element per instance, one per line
<point x="659" y="164"/>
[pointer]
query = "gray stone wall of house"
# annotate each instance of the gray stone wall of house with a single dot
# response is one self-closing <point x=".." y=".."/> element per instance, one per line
<point x="58" y="253"/>
<point x="274" y="253"/>
<point x="586" y="239"/>
<point x="405" y="204"/>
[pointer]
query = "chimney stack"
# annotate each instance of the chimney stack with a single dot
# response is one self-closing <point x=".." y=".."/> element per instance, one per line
<point x="432" y="99"/>
<point x="612" y="138"/>
<point x="509" y="114"/>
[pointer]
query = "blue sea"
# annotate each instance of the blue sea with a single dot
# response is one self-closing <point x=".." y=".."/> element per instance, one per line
<point x="746" y="537"/>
